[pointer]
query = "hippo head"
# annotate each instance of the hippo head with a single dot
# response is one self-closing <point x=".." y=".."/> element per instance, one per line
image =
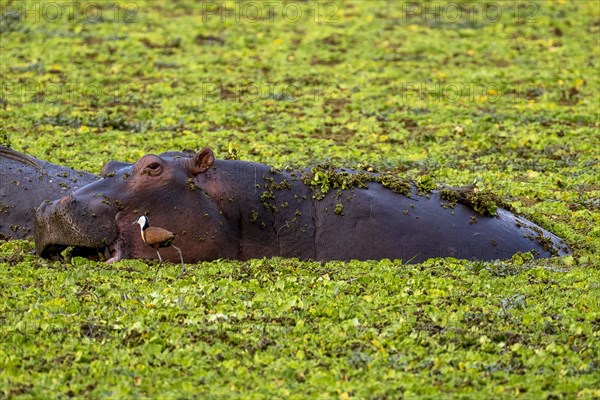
<point x="98" y="217"/>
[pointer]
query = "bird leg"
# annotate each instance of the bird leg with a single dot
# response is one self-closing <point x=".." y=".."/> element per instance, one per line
<point x="181" y="258"/>
<point x="159" y="264"/>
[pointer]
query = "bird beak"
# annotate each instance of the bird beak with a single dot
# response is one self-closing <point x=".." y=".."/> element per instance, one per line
<point x="134" y="222"/>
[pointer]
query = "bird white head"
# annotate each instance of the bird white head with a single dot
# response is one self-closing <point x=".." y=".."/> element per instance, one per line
<point x="142" y="221"/>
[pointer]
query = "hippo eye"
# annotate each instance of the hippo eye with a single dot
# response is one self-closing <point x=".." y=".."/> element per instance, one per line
<point x="153" y="169"/>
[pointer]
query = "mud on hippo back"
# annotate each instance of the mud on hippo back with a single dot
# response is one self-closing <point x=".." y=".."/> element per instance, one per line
<point x="240" y="210"/>
<point x="25" y="182"/>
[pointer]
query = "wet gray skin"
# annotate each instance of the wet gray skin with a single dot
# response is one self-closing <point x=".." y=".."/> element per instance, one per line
<point x="26" y="182"/>
<point x="241" y="210"/>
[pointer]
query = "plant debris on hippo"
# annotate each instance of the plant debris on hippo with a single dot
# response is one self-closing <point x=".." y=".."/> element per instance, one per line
<point x="240" y="210"/>
<point x="25" y="182"/>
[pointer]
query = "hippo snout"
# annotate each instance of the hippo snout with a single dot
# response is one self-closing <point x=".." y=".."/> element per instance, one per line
<point x="70" y="221"/>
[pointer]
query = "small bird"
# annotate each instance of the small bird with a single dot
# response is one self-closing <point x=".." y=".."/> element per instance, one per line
<point x="157" y="237"/>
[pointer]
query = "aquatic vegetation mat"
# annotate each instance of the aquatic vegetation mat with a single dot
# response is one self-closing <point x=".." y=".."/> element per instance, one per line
<point x="498" y="98"/>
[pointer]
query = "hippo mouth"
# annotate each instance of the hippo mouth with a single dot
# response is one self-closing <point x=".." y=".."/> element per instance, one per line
<point x="59" y="251"/>
<point x="110" y="253"/>
<point x="67" y="228"/>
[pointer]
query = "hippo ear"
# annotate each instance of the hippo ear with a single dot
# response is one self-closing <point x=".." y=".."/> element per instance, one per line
<point x="202" y="161"/>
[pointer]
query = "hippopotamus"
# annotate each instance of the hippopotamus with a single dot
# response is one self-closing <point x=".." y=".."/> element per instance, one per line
<point x="25" y="182"/>
<point x="232" y="209"/>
